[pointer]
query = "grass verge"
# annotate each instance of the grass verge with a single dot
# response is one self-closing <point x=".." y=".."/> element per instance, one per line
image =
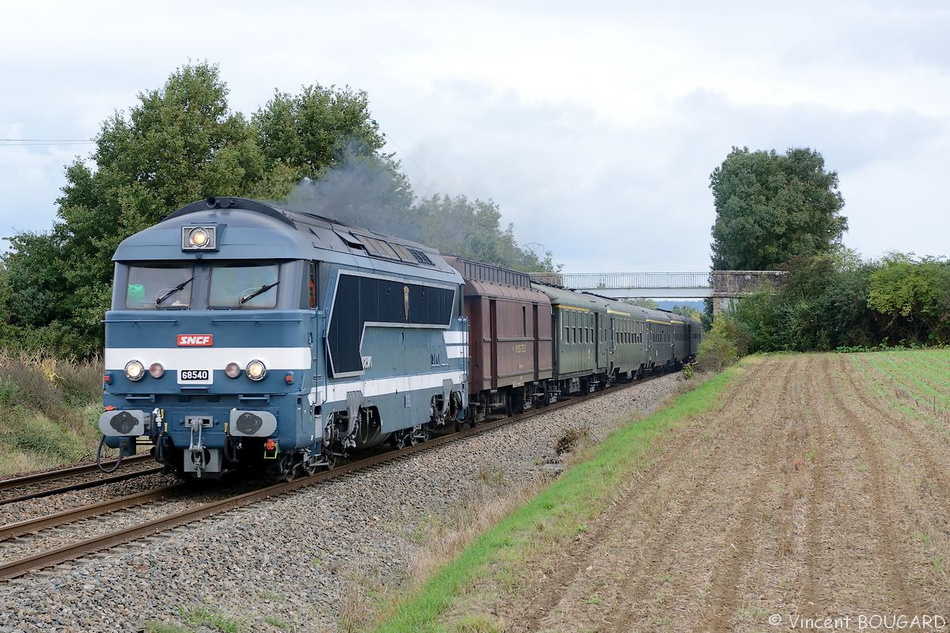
<point x="546" y="524"/>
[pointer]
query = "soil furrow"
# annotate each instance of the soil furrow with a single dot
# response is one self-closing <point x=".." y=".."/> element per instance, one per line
<point x="727" y="583"/>
<point x="891" y="561"/>
<point x="817" y="502"/>
<point x="663" y="536"/>
<point x="684" y="493"/>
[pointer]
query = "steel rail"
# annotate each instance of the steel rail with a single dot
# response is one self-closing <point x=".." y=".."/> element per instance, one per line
<point x="82" y="485"/>
<point x="27" y="526"/>
<point x="36" y="478"/>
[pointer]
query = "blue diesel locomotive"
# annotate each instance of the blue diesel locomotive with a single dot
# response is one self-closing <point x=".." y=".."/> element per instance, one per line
<point x="242" y="334"/>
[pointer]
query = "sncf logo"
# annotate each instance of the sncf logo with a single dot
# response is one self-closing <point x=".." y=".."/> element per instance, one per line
<point x="195" y="340"/>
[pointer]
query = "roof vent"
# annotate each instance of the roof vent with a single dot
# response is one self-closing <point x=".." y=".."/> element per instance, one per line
<point x="421" y="257"/>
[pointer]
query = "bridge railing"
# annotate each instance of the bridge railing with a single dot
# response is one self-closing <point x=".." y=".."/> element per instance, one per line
<point x="646" y="280"/>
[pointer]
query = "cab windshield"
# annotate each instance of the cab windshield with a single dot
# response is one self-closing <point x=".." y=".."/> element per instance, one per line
<point x="237" y="286"/>
<point x="157" y="286"/>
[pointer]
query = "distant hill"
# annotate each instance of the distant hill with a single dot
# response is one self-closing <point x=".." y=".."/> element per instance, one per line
<point x="698" y="304"/>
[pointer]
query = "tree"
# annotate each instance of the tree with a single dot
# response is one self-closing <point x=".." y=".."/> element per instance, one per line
<point x="471" y="229"/>
<point x="182" y="143"/>
<point x="318" y="130"/>
<point x="687" y="311"/>
<point x="839" y="301"/>
<point x="772" y="208"/>
<point x="652" y="304"/>
<point x="179" y="144"/>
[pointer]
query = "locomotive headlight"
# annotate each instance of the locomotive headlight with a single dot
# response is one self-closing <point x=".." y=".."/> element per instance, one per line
<point x="233" y="370"/>
<point x="134" y="370"/>
<point x="199" y="238"/>
<point x="255" y="370"/>
<point x="156" y="370"/>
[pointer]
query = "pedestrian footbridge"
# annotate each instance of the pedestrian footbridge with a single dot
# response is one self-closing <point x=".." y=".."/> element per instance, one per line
<point x="642" y="285"/>
<point x="722" y="286"/>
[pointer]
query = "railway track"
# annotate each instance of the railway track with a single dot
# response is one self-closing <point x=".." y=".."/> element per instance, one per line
<point x="89" y="475"/>
<point x="81" y="547"/>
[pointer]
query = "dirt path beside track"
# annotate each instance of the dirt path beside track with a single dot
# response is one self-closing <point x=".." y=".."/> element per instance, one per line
<point x="802" y="496"/>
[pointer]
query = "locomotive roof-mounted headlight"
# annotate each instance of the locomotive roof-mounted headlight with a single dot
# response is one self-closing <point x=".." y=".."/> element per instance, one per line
<point x="199" y="238"/>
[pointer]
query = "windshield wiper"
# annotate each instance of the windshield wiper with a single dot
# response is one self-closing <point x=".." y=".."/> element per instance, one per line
<point x="177" y="288"/>
<point x="259" y="291"/>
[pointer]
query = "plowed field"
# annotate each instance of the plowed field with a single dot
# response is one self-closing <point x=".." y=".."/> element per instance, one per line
<point x="818" y="487"/>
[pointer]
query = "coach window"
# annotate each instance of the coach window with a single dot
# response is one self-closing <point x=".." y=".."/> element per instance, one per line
<point x="159" y="287"/>
<point x="240" y="286"/>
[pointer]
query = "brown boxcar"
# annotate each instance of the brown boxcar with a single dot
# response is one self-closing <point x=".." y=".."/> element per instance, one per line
<point x="509" y="339"/>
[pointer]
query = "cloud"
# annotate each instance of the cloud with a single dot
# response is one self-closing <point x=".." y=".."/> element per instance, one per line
<point x="637" y="197"/>
<point x="594" y="127"/>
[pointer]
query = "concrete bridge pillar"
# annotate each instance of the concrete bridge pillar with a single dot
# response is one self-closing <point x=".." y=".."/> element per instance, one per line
<point x="729" y="286"/>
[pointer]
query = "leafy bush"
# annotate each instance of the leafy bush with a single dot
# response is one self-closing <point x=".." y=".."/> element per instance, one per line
<point x="723" y="345"/>
<point x="912" y="298"/>
<point x="838" y="301"/>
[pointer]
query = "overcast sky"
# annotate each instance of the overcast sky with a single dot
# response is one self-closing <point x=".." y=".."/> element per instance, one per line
<point x="594" y="125"/>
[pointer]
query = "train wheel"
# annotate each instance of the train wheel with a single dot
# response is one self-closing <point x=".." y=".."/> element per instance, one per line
<point x="400" y="439"/>
<point x="284" y="469"/>
<point x="308" y="463"/>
